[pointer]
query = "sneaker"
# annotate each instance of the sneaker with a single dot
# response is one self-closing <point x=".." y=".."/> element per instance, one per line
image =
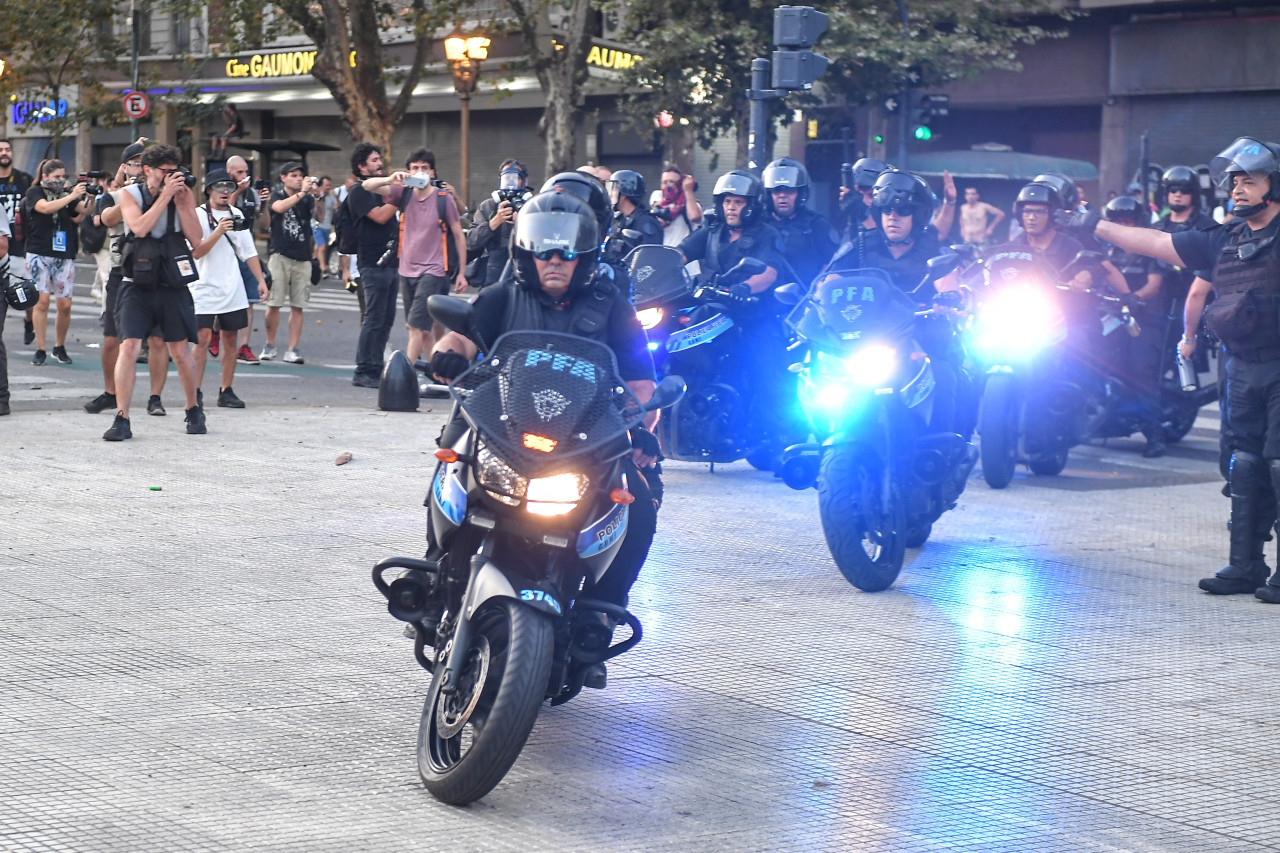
<point x="195" y="421"/>
<point x="119" y="430"/>
<point x="154" y="406"/>
<point x="100" y="403"/>
<point x="246" y="356"/>
<point x="213" y="345"/>
<point x="39" y="357"/>
<point x="268" y="353"/>
<point x="60" y="353"/>
<point x="95" y="292"/>
<point x="292" y="357"/>
<point x="200" y="399"/>
<point x="1154" y="450"/>
<point x="28" y="332"/>
<point x="227" y="399"/>
<point x="361" y="381"/>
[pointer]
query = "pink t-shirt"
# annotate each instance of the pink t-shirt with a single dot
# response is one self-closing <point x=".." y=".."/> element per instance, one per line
<point x="421" y="249"/>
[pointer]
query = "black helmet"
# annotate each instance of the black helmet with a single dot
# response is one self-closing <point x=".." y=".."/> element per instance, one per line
<point x="588" y="188"/>
<point x="555" y="220"/>
<point x="1184" y="179"/>
<point x="741" y="183"/>
<point x="1037" y="192"/>
<point x="628" y="184"/>
<point x="904" y="193"/>
<point x="787" y="174"/>
<point x="1124" y="207"/>
<point x="1252" y="156"/>
<point x="1068" y="193"/>
<point x="866" y="171"/>
<point x="20" y="293"/>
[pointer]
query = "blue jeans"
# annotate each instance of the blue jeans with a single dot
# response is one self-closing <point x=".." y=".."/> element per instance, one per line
<point x="380" y="287"/>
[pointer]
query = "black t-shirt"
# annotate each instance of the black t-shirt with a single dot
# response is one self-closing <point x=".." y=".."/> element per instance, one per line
<point x="52" y="235"/>
<point x="765" y="245"/>
<point x="624" y="336"/>
<point x="1200" y="250"/>
<point x="1198" y="222"/>
<point x="291" y="231"/>
<point x="1061" y="251"/>
<point x="12" y="190"/>
<point x="373" y="239"/>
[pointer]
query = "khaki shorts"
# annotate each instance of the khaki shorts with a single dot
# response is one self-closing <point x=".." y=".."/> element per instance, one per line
<point x="291" y="279"/>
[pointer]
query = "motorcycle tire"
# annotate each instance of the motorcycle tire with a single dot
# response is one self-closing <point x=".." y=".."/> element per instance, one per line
<point x="998" y="429"/>
<point x="918" y="535"/>
<point x="762" y="459"/>
<point x="869" y="559"/>
<point x="1049" y="464"/>
<point x="511" y="652"/>
<point x="1177" y="427"/>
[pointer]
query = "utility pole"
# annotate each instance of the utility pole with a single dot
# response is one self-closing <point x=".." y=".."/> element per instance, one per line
<point x="906" y="94"/>
<point x="133" y="59"/>
<point x="795" y="67"/>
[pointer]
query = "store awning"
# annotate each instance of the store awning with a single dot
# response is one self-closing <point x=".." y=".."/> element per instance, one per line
<point x="999" y="165"/>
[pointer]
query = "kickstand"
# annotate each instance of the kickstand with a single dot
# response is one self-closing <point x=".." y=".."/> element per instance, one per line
<point x="713" y="467"/>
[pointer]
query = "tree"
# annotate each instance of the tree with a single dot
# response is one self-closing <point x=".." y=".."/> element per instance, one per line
<point x="53" y="45"/>
<point x="697" y="53"/>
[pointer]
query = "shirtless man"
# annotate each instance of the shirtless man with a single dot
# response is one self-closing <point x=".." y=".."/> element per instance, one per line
<point x="977" y="218"/>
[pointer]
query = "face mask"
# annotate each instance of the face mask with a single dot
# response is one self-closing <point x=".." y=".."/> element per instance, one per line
<point x="54" y="184"/>
<point x="1179" y="208"/>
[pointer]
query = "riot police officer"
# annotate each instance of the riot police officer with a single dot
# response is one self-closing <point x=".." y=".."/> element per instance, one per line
<point x="1180" y="191"/>
<point x="1245" y="257"/>
<point x="627" y="193"/>
<point x="808" y="240"/>
<point x="740" y="230"/>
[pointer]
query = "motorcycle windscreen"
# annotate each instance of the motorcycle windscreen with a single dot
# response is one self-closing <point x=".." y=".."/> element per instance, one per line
<point x="543" y="399"/>
<point x="862" y="301"/>
<point x="657" y="275"/>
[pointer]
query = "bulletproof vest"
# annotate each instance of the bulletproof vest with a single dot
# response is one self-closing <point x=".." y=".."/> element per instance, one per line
<point x="1133" y="267"/>
<point x="1258" y="276"/>
<point x="722" y="257"/>
<point x="587" y="314"/>
<point x="800" y="245"/>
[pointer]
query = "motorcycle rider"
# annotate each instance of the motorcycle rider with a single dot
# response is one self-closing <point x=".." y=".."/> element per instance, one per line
<point x="1069" y="200"/>
<point x="1141" y="363"/>
<point x="1034" y="209"/>
<point x="554" y="253"/>
<point x="855" y="201"/>
<point x="627" y="193"/>
<point x="1245" y="257"/>
<point x="740" y="230"/>
<point x="809" y="241"/>
<point x="902" y="246"/>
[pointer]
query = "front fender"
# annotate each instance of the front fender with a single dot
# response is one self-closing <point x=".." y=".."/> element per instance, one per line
<point x="491" y="582"/>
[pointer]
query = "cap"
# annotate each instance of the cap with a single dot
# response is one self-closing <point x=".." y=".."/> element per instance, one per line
<point x="217" y="176"/>
<point x="131" y="151"/>
<point x="291" y="166"/>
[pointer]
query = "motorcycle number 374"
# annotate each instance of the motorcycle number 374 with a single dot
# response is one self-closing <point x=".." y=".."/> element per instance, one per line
<point x="541" y="597"/>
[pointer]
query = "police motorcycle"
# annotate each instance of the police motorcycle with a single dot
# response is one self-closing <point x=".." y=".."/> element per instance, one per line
<point x="883" y="478"/>
<point x="695" y="332"/>
<point x="529" y="507"/>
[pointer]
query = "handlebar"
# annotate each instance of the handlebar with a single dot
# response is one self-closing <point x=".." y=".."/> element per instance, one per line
<point x="708" y="292"/>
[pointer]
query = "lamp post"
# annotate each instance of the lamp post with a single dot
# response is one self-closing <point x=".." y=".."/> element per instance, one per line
<point x="465" y="54"/>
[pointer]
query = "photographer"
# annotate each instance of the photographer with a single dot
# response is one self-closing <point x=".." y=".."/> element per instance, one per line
<point x="109" y="214"/>
<point x="219" y="294"/>
<point x="490" y="239"/>
<point x="5" y="234"/>
<point x="433" y="250"/>
<point x="252" y="198"/>
<point x="289" y="259"/>
<point x="376" y="232"/>
<point x="55" y="206"/>
<point x="157" y="267"/>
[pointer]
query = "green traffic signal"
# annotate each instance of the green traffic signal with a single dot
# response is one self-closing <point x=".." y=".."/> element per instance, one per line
<point x="879" y="139"/>
<point x="923" y="133"/>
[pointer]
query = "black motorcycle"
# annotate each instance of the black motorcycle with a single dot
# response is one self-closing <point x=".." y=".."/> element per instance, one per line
<point x="529" y="507"/>
<point x="883" y="477"/>
<point x="737" y="402"/>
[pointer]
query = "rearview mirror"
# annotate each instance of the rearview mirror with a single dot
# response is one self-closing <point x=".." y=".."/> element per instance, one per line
<point x="943" y="265"/>
<point x="789" y="294"/>
<point x="668" y="393"/>
<point x="743" y="270"/>
<point x="451" y="312"/>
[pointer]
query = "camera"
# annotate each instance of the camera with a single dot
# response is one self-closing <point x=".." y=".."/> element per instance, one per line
<point x="516" y="195"/>
<point x="241" y="223"/>
<point x="418" y="181"/>
<point x="261" y="184"/>
<point x="187" y="178"/>
<point x="90" y="188"/>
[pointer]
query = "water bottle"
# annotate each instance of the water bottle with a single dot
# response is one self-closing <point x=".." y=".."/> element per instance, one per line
<point x="1186" y="373"/>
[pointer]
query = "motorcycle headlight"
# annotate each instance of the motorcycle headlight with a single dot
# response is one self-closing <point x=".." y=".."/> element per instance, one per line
<point x="1019" y="321"/>
<point x="499" y="478"/>
<point x="871" y="366"/>
<point x="649" y="317"/>
<point x="555" y="495"/>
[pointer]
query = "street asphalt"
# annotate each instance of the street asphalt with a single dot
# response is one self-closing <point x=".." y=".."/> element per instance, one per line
<point x="192" y="656"/>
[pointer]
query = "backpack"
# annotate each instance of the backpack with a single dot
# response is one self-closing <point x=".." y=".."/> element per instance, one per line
<point x="450" y="251"/>
<point x="346" y="229"/>
<point x="93" y="237"/>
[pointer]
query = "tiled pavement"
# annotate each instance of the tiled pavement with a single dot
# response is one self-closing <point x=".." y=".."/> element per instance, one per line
<point x="207" y="667"/>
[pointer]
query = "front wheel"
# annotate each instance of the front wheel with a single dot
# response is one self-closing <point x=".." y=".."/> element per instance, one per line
<point x="1177" y="427"/>
<point x="869" y="553"/>
<point x="1049" y="464"/>
<point x="468" y="740"/>
<point x="998" y="428"/>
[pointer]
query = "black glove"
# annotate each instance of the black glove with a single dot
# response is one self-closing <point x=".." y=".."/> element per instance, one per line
<point x="949" y="299"/>
<point x="449" y="364"/>
<point x="646" y="442"/>
<point x="739" y="292"/>
<point x="1079" y="222"/>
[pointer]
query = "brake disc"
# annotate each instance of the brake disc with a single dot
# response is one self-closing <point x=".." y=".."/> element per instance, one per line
<point x="453" y="711"/>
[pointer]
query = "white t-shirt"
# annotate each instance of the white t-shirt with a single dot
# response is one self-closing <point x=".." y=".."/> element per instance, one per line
<point x="220" y="288"/>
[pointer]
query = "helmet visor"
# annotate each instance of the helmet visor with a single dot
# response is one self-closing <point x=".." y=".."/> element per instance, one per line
<point x="782" y="177"/>
<point x="510" y="180"/>
<point x="895" y="190"/>
<point x="1246" y="154"/>
<point x="732" y="184"/>
<point x="542" y="232"/>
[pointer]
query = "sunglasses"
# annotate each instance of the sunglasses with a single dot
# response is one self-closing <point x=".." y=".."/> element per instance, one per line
<point x="547" y="254"/>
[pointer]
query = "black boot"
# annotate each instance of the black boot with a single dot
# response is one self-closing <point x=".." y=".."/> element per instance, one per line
<point x="1246" y="571"/>
<point x="1270" y="591"/>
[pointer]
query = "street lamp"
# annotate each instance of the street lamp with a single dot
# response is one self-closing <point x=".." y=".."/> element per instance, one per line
<point x="465" y="54"/>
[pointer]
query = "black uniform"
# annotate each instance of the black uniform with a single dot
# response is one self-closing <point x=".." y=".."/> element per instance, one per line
<point x="715" y="253"/>
<point x="1062" y="249"/>
<point x="808" y="242"/>
<point x="495" y="245"/>
<point x="646" y="223"/>
<point x="1143" y="360"/>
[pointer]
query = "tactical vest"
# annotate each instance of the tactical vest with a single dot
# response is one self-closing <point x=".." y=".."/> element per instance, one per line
<point x="588" y="311"/>
<point x="743" y="244"/>
<point x="1244" y="313"/>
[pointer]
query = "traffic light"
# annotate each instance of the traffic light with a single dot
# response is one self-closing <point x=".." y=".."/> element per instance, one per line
<point x="795" y="30"/>
<point x="924" y="109"/>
